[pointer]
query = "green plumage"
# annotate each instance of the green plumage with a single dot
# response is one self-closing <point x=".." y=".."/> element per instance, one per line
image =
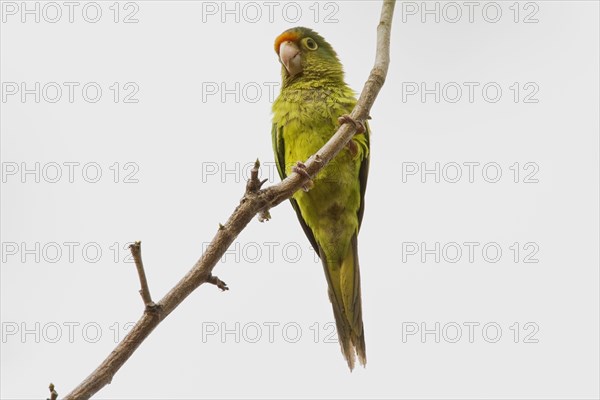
<point x="305" y="116"/>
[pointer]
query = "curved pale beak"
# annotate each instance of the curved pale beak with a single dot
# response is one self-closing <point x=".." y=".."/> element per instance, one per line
<point x="289" y="55"/>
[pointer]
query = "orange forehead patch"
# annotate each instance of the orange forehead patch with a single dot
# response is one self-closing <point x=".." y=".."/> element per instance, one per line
<point x="284" y="37"/>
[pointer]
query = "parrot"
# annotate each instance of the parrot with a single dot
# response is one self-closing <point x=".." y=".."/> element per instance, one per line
<point x="314" y="99"/>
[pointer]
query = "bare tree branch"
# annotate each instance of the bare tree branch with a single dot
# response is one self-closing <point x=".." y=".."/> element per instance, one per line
<point x="255" y="201"/>
<point x="136" y="252"/>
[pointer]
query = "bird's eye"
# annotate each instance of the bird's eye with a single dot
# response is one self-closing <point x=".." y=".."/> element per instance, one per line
<point x="310" y="44"/>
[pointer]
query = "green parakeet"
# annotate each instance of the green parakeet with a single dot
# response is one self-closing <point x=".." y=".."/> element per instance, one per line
<point x="305" y="116"/>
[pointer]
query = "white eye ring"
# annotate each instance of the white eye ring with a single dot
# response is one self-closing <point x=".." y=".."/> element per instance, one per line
<point x="310" y="44"/>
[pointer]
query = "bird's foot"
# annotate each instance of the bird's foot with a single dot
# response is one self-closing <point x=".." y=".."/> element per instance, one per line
<point x="360" y="128"/>
<point x="347" y="119"/>
<point x="300" y="168"/>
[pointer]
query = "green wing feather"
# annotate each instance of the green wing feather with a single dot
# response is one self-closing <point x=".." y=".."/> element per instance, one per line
<point x="363" y="175"/>
<point x="279" y="149"/>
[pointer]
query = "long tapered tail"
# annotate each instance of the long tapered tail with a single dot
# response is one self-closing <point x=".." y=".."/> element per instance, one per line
<point x="343" y="279"/>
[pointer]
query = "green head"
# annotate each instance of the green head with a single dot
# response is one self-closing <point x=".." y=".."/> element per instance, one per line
<point x="305" y="55"/>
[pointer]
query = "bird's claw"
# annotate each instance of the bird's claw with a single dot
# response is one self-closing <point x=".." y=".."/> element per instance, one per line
<point x="347" y="119"/>
<point x="300" y="168"/>
<point x="352" y="148"/>
<point x="360" y="128"/>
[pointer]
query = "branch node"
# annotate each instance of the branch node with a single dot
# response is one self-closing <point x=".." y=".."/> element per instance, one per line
<point x="254" y="184"/>
<point x="53" y="393"/>
<point x="221" y="227"/>
<point x="152" y="308"/>
<point x="264" y="216"/>
<point x="217" y="282"/>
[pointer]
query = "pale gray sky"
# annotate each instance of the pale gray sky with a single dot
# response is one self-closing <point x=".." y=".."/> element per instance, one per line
<point x="481" y="222"/>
